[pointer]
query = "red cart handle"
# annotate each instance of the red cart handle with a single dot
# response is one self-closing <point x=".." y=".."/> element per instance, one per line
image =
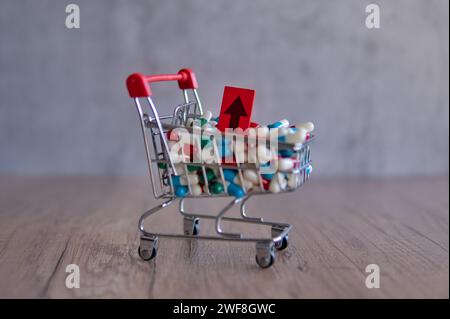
<point x="139" y="85"/>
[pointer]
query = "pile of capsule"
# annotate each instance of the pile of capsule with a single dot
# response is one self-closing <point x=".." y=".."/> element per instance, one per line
<point x="191" y="177"/>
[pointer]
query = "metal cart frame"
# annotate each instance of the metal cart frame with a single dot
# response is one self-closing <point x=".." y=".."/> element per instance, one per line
<point x="161" y="166"/>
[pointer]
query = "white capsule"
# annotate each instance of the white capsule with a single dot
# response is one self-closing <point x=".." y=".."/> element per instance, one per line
<point x="180" y="169"/>
<point x="282" y="131"/>
<point x="245" y="183"/>
<point x="251" y="175"/>
<point x="207" y="155"/>
<point x="211" y="130"/>
<point x="264" y="154"/>
<point x="278" y="183"/>
<point x="176" y="158"/>
<point x="285" y="164"/>
<point x="189" y="122"/>
<point x="196" y="190"/>
<point x="274" y="187"/>
<point x="193" y="179"/>
<point x="308" y="126"/>
<point x="281" y="178"/>
<point x="293" y="180"/>
<point x="298" y="136"/>
<point x="207" y="115"/>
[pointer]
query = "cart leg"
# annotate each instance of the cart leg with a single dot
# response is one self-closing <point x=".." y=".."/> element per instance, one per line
<point x="243" y="212"/>
<point x="191" y="223"/>
<point x="265" y="254"/>
<point x="148" y="244"/>
<point x="220" y="216"/>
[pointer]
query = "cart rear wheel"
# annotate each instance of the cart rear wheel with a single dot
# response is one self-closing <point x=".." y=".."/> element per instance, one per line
<point x="147" y="254"/>
<point x="282" y="244"/>
<point x="196" y="227"/>
<point x="191" y="226"/>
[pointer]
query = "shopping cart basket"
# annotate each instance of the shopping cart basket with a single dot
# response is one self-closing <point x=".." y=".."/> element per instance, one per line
<point x="162" y="166"/>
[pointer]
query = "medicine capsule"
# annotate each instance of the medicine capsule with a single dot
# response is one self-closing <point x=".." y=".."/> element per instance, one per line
<point x="285" y="164"/>
<point x="268" y="176"/>
<point x="216" y="188"/>
<point x="308" y="170"/>
<point x="189" y="122"/>
<point x="245" y="183"/>
<point x="274" y="187"/>
<point x="308" y="126"/>
<point x="278" y="183"/>
<point x="266" y="184"/>
<point x="203" y="121"/>
<point x="181" y="191"/>
<point x="298" y="137"/>
<point x="282" y="123"/>
<point x="264" y="154"/>
<point x="207" y="115"/>
<point x="209" y="175"/>
<point x="162" y="165"/>
<point x="193" y="168"/>
<point x="235" y="190"/>
<point x="189" y="179"/>
<point x="183" y="180"/>
<point x="207" y="155"/>
<point x="285" y="153"/>
<point x="229" y="174"/>
<point x="196" y="190"/>
<point x="205" y="140"/>
<point x="293" y="180"/>
<point x="251" y="175"/>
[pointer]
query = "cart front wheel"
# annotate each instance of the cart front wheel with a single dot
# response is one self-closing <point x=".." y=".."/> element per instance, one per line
<point x="147" y="254"/>
<point x="265" y="254"/>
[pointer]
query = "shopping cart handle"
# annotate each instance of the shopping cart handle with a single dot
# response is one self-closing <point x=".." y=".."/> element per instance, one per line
<point x="139" y="85"/>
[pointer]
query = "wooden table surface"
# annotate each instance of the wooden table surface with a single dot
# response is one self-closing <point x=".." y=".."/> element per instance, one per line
<point x="340" y="226"/>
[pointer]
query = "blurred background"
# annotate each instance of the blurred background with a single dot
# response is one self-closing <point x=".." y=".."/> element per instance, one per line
<point x="379" y="97"/>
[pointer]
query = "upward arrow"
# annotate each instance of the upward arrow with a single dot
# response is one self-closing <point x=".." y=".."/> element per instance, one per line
<point x="236" y="110"/>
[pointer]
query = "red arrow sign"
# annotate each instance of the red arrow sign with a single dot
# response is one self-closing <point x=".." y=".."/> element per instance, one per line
<point x="236" y="109"/>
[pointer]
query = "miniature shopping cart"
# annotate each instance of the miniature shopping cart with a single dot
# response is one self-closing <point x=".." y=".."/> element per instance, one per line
<point x="162" y="166"/>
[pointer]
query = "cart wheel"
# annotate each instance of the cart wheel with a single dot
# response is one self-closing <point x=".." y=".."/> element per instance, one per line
<point x="191" y="226"/>
<point x="267" y="261"/>
<point x="196" y="227"/>
<point x="265" y="254"/>
<point x="146" y="254"/>
<point x="282" y="244"/>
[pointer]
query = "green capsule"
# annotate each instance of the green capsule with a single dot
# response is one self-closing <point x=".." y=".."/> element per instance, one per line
<point x="193" y="168"/>
<point x="216" y="188"/>
<point x="204" y="141"/>
<point x="162" y="165"/>
<point x="209" y="175"/>
<point x="203" y="121"/>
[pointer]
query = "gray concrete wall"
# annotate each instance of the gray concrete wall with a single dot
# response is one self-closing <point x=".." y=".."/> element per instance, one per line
<point x="379" y="98"/>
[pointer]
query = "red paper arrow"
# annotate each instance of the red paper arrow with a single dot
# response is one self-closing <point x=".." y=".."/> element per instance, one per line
<point x="236" y="110"/>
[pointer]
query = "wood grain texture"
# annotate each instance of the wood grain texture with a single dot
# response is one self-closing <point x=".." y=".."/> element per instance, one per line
<point x="340" y="226"/>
